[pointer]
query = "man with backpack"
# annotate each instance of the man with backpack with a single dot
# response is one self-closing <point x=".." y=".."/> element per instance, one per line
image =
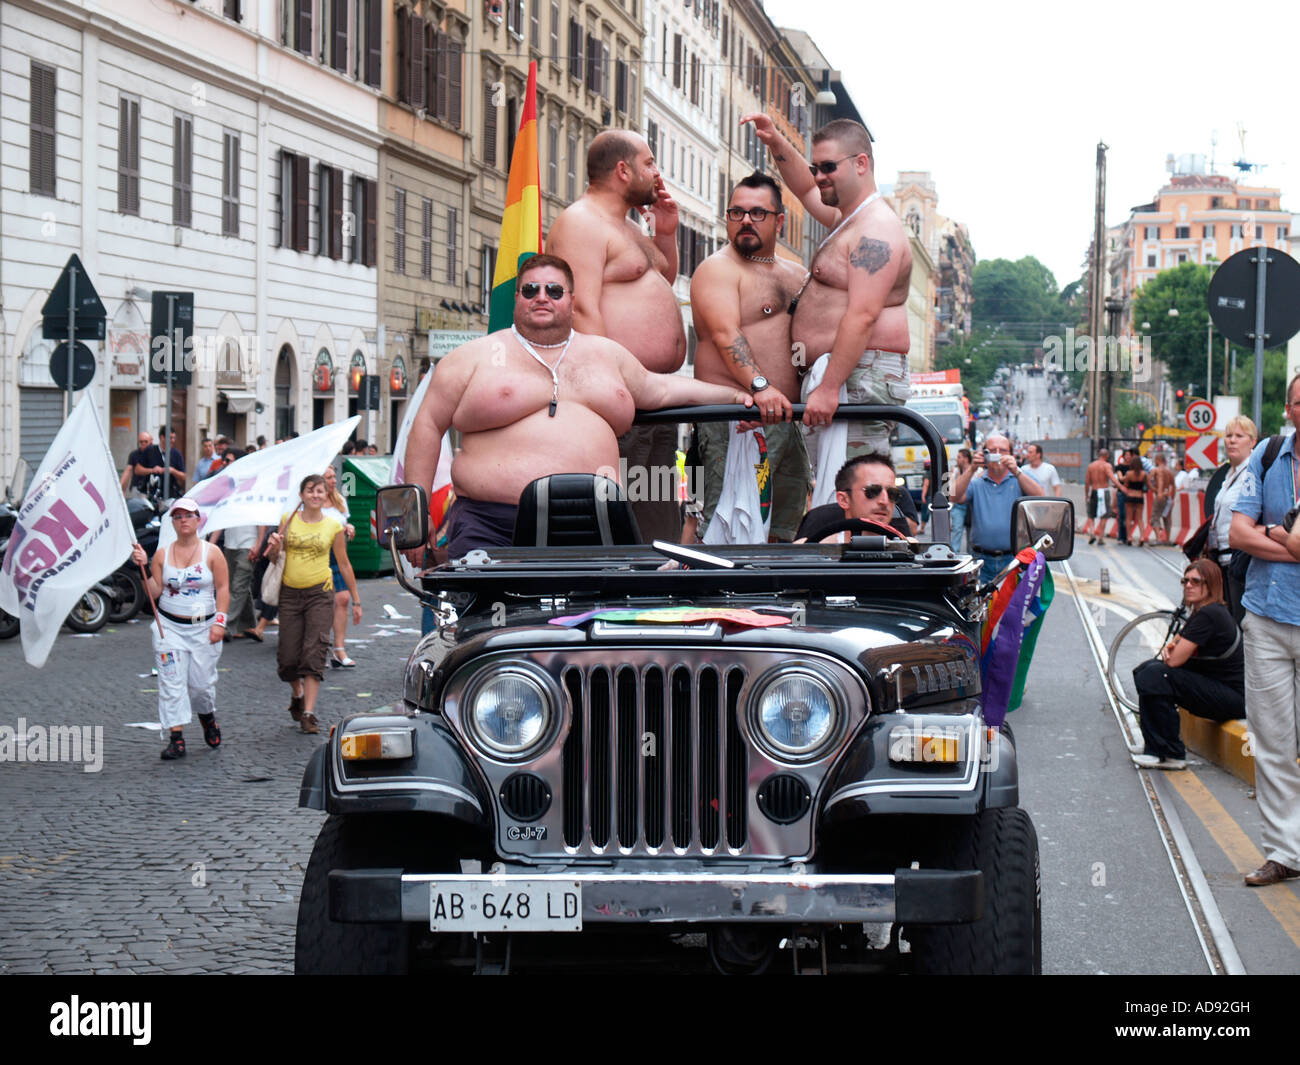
<point x="1272" y="637"/>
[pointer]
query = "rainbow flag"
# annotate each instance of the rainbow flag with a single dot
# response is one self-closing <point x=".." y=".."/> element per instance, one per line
<point x="521" y="225"/>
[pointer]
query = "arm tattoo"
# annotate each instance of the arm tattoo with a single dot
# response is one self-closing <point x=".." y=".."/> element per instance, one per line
<point x="780" y="158"/>
<point x="871" y="255"/>
<point x="739" y="352"/>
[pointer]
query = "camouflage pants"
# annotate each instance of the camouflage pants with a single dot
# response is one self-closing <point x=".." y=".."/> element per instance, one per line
<point x="880" y="377"/>
<point x="791" y="476"/>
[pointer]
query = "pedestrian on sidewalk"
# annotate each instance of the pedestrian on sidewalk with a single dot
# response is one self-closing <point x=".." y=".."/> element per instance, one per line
<point x="190" y="582"/>
<point x="1162" y="505"/>
<point x="237" y="545"/>
<point x="1202" y="670"/>
<point x="1097" y="481"/>
<point x="1134" y="481"/>
<point x="1239" y="438"/>
<point x="337" y="508"/>
<point x="307" y="595"/>
<point x="1272" y="635"/>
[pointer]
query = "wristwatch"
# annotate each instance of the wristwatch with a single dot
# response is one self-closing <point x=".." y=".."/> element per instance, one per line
<point x="758" y="383"/>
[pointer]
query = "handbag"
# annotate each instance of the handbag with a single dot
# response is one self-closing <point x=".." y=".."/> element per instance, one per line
<point x="274" y="574"/>
<point x="1195" y="545"/>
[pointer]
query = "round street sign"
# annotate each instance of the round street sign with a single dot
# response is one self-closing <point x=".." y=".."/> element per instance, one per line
<point x="1201" y="416"/>
<point x="83" y="366"/>
<point x="1232" y="297"/>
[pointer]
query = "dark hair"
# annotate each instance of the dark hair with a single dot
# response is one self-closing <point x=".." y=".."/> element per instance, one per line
<point x="349" y="448"/>
<point x="1290" y="387"/>
<point x="536" y="262"/>
<point x="844" y="479"/>
<point x="759" y="180"/>
<point x="1209" y="571"/>
<point x="849" y="135"/>
<point x="967" y="452"/>
<point x="309" y="480"/>
<point x="608" y="149"/>
<point x="1035" y="445"/>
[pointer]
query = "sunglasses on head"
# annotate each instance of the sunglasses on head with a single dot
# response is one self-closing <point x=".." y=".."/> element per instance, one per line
<point x="873" y="490"/>
<point x="758" y="214"/>
<point x="827" y="166"/>
<point x="529" y="290"/>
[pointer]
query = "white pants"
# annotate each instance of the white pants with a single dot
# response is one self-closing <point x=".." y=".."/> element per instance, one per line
<point x="1272" y="705"/>
<point x="187" y="672"/>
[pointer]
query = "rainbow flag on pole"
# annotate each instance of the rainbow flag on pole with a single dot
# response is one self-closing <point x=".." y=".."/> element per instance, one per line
<point x="521" y="225"/>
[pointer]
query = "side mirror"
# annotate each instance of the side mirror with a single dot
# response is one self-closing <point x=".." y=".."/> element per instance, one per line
<point x="1033" y="517"/>
<point x="403" y="516"/>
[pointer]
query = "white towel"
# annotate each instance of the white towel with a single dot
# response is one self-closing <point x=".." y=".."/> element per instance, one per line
<point x="828" y="447"/>
<point x="738" y="518"/>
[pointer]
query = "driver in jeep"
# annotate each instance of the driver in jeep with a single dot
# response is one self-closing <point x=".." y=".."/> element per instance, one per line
<point x="865" y="492"/>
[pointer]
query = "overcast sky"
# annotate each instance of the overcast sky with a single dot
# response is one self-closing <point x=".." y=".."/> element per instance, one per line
<point x="1004" y="103"/>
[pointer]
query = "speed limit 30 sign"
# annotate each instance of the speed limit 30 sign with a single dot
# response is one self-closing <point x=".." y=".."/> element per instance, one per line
<point x="1201" y="416"/>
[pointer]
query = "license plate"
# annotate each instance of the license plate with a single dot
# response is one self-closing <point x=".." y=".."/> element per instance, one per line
<point x="523" y="906"/>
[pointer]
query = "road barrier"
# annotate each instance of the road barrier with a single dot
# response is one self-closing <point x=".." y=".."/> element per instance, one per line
<point x="1185" y="518"/>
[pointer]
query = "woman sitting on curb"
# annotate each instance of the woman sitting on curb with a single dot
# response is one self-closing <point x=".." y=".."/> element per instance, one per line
<point x="1201" y="670"/>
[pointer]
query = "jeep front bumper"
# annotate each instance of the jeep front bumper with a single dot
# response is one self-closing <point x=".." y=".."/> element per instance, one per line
<point x="912" y="896"/>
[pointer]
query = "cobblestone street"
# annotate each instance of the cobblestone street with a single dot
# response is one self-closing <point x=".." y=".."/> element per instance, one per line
<point x="170" y="867"/>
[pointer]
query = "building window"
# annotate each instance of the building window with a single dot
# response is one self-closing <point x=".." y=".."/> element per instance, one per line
<point x="453" y="239"/>
<point x="442" y="64"/>
<point x="329" y="212"/>
<point x="369" y="41"/>
<point x="1262" y="205"/>
<point x="555" y="31"/>
<point x="410" y="58"/>
<point x="1282" y="232"/>
<point x="182" y="170"/>
<point x="231" y="9"/>
<point x="652" y="137"/>
<point x="297" y="28"/>
<point x="399" y="230"/>
<point x="334" y="34"/>
<point x="512" y="127"/>
<point x="426" y="239"/>
<point x="1259" y="232"/>
<point x="575" y="49"/>
<point x="677" y="60"/>
<point x="1182" y="232"/>
<point x="128" y="155"/>
<point x="1182" y="257"/>
<point x="1207" y="232"/>
<point x="364" y="220"/>
<point x="1151" y="260"/>
<point x="229" y="184"/>
<point x="489" y="126"/>
<point x="295" y="199"/>
<point x="553" y="157"/>
<point x="535" y="25"/>
<point x="571" y="173"/>
<point x="487" y="265"/>
<point x="1243" y="205"/>
<point x="1237" y="230"/>
<point x="41" y="126"/>
<point x="1151" y="232"/>
<point x="515" y="18"/>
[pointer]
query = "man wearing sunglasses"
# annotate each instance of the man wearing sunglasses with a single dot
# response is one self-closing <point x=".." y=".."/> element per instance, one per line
<point x="853" y="308"/>
<point x="623" y="289"/>
<point x="992" y="494"/>
<point x="866" y="489"/>
<point x="536" y="399"/>
<point x="740" y="296"/>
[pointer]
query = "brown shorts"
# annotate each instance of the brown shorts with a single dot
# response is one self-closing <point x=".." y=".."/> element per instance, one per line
<point x="306" y="620"/>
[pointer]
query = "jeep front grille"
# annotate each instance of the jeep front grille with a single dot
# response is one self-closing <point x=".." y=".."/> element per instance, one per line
<point x="654" y="760"/>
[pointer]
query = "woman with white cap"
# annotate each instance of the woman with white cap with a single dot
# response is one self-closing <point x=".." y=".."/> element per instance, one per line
<point x="191" y="583"/>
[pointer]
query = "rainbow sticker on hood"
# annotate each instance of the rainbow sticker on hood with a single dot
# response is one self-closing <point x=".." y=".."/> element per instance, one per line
<point x="732" y="618"/>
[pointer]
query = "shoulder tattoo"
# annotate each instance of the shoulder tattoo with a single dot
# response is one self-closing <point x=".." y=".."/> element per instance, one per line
<point x="871" y="255"/>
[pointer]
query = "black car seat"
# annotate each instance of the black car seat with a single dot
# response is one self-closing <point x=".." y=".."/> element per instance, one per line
<point x="574" y="510"/>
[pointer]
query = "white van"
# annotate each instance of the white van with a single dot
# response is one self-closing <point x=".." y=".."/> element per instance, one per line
<point x="948" y="414"/>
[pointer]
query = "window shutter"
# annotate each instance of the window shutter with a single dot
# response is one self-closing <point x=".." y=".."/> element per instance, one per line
<point x="535" y="25"/>
<point x="339" y="35"/>
<point x="336" y="214"/>
<point x="403" y="59"/>
<point x="399" y="230"/>
<point x="489" y="127"/>
<point x="453" y="239"/>
<point x="555" y="31"/>
<point x="358" y="216"/>
<point x="620" y="87"/>
<point x="575" y="49"/>
<point x="455" y="49"/>
<point x="286" y="199"/>
<point x="230" y="185"/>
<point x="426" y="239"/>
<point x="415" y="38"/>
<point x="434" y="60"/>
<point x="371" y="224"/>
<point x="441" y="69"/>
<point x="323" y="178"/>
<point x="677" y="60"/>
<point x="374" y="52"/>
<point x="43" y="118"/>
<point x="301" y="202"/>
<point x="303" y="44"/>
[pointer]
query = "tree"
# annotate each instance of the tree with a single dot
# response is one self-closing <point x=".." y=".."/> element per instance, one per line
<point x="1243" y="384"/>
<point x="1177" y="340"/>
<point x="1023" y="291"/>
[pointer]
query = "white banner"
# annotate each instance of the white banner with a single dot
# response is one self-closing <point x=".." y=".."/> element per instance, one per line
<point x="72" y="529"/>
<point x="442" y="475"/>
<point x="262" y="487"/>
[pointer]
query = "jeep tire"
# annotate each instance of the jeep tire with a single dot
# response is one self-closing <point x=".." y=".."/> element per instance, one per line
<point x="1007" y="939"/>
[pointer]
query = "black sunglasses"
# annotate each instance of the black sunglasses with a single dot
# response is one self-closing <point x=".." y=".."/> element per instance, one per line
<point x="828" y="166"/>
<point x="758" y="214"/>
<point x="873" y="490"/>
<point x="554" y="290"/>
<point x="1192" y="580"/>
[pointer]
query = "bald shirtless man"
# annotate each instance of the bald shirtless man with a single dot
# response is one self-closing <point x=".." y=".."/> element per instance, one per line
<point x="854" y="306"/>
<point x="740" y="297"/>
<point x="532" y="400"/>
<point x="623" y="290"/>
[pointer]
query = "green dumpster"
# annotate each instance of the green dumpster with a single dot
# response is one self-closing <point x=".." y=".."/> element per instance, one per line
<point x="362" y="477"/>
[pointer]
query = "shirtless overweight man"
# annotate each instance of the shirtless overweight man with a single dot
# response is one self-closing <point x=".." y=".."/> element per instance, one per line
<point x="501" y="397"/>
<point x="623" y="290"/>
<point x="855" y="304"/>
<point x="740" y="296"/>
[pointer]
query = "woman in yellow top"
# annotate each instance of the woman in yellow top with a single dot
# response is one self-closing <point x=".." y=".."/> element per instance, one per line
<point x="307" y="596"/>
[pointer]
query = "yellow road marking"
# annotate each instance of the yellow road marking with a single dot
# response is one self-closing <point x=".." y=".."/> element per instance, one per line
<point x="1241" y="852"/>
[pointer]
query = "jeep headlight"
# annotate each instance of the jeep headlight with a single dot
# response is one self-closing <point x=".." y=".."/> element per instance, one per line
<point x="509" y="713"/>
<point x="797" y="713"/>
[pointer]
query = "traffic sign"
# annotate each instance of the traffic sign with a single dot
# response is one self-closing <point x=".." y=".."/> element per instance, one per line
<point x="1233" y="289"/>
<point x="83" y="366"/>
<point x="176" y="309"/>
<point x="54" y="327"/>
<point x="1201" y="416"/>
<point x="73" y="284"/>
<point x="1202" y="452"/>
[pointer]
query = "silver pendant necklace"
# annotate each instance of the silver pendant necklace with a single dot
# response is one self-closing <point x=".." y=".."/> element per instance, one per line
<point x="551" y="369"/>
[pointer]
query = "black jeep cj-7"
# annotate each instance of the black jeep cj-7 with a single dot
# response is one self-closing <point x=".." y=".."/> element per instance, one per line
<point x="800" y="768"/>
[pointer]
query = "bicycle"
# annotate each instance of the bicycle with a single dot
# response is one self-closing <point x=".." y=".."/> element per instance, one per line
<point x="1128" y="652"/>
